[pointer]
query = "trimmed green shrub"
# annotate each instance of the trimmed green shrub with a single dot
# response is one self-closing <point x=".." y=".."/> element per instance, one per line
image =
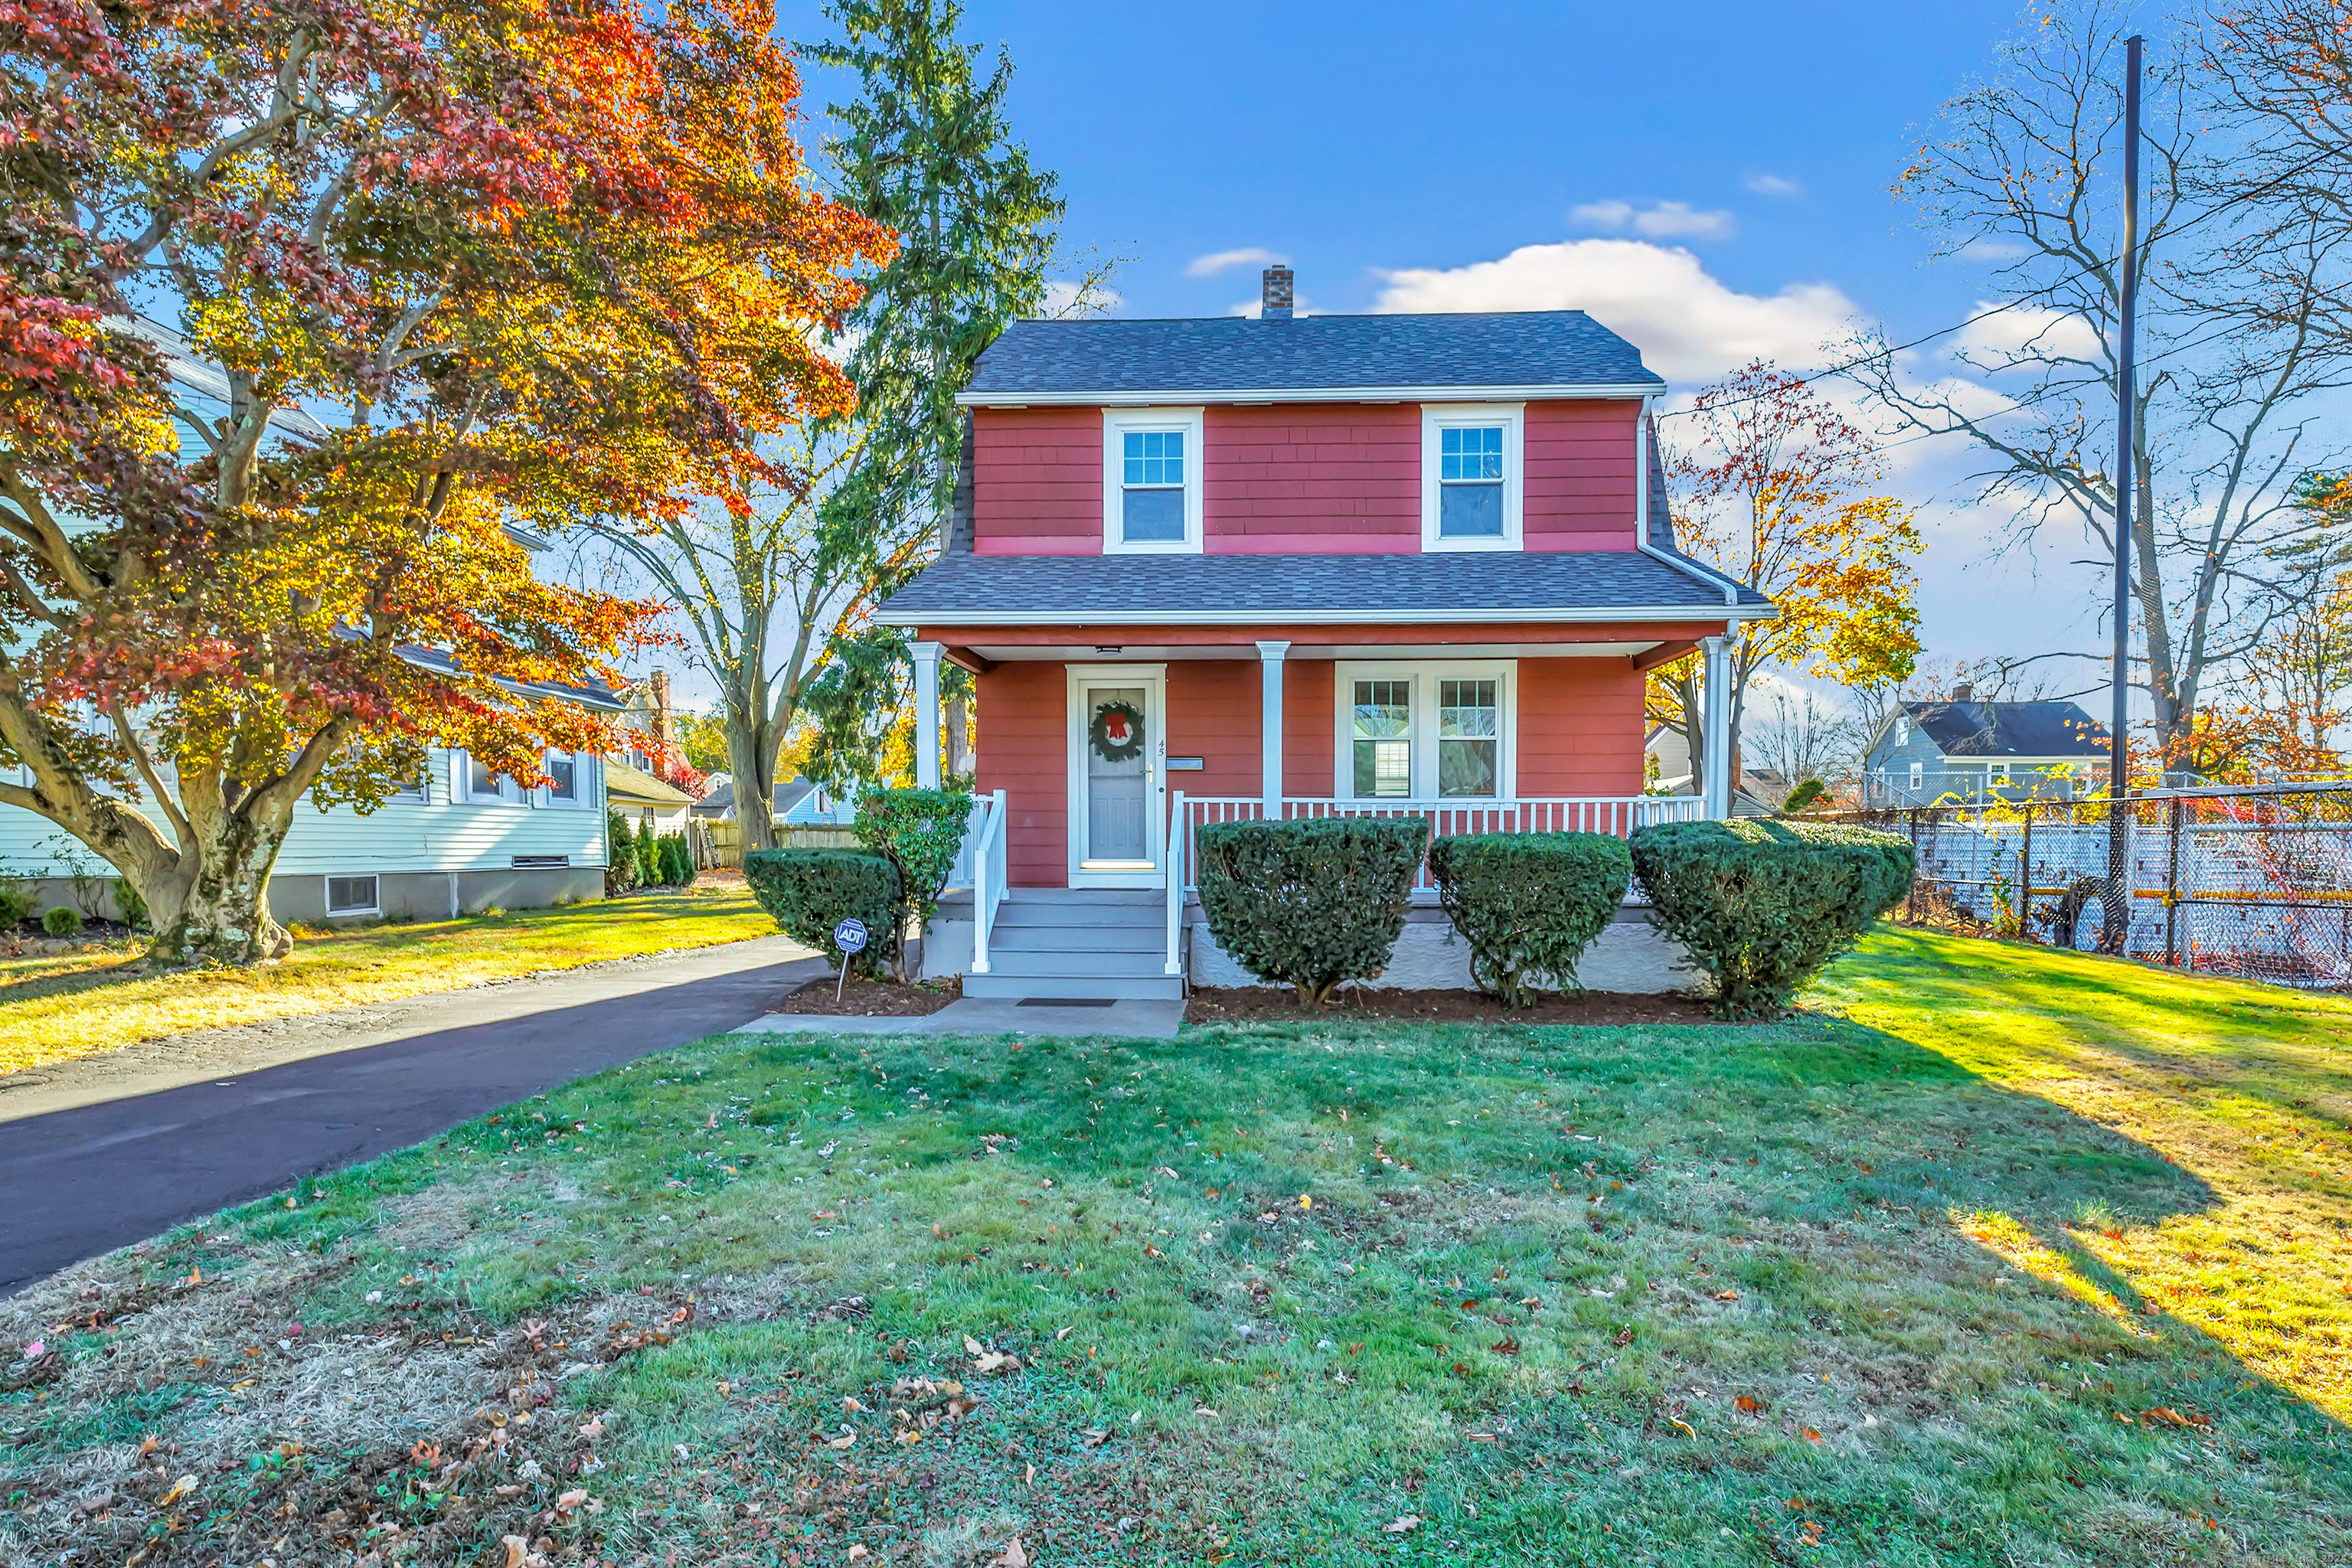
<point x="677" y="860"/>
<point x="128" y="907"/>
<point x="649" y="873"/>
<point x="919" y="831"/>
<point x="810" y="891"/>
<point x="1763" y="904"/>
<point x="1529" y="903"/>
<point x="63" y="920"/>
<point x="1804" y="795"/>
<point x="1311" y="904"/>
<point x="18" y="902"/>
<point x="620" y="856"/>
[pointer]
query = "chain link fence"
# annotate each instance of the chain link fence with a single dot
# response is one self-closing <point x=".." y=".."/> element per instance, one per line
<point x="2254" y="883"/>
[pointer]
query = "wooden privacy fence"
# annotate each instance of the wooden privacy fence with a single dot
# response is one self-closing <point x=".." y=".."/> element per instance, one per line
<point x="722" y="840"/>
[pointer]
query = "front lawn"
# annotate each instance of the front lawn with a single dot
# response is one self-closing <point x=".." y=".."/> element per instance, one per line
<point x="2032" y="1258"/>
<point x="74" y="1005"/>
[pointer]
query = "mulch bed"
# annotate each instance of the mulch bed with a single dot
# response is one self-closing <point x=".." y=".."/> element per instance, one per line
<point x="873" y="999"/>
<point x="1266" y="1004"/>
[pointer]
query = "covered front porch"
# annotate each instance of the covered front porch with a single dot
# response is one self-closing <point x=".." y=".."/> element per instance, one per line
<point x="1098" y="762"/>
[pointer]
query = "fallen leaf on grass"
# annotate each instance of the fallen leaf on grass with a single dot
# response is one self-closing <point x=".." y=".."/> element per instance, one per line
<point x="1012" y="1556"/>
<point x="995" y="1360"/>
<point x="2165" y="1416"/>
<point x="517" y="1550"/>
<point x="1727" y="1295"/>
<point x="180" y="1488"/>
<point x="1404" y="1525"/>
<point x="571" y="1499"/>
<point x="1811" y="1435"/>
<point x="1747" y="1404"/>
<point x="1683" y="1427"/>
<point x="1094" y="1438"/>
<point x="594" y="1430"/>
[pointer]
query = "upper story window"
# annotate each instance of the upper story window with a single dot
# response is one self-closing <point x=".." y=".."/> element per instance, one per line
<point x="1151" y="479"/>
<point x="1471" y="476"/>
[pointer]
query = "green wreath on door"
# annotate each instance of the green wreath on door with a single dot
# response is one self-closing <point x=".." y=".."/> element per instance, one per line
<point x="1116" y="732"/>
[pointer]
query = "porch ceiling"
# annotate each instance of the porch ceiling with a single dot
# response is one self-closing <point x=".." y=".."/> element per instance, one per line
<point x="1158" y="653"/>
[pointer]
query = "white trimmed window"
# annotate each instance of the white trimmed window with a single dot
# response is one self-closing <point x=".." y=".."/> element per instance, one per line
<point x="477" y="780"/>
<point x="1918" y="776"/>
<point x="1472" y="470"/>
<point x="1426" y="731"/>
<point x="1151" y="481"/>
<point x="568" y="782"/>
<point x="353" y="895"/>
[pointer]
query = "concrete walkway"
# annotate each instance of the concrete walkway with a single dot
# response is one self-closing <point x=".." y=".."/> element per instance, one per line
<point x="111" y="1149"/>
<point x="992" y="1016"/>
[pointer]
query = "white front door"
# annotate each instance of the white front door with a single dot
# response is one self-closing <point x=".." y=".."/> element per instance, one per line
<point x="1119" y="748"/>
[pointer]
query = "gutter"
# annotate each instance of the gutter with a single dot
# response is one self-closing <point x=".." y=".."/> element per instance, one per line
<point x="1187" y="396"/>
<point x="1258" y="615"/>
<point x="1680" y="564"/>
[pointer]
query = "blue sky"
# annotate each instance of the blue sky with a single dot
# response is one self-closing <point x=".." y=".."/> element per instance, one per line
<point x="1710" y="179"/>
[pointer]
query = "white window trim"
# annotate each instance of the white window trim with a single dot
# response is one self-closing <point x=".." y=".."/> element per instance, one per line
<point x="582" y="795"/>
<point x="1512" y="416"/>
<point x="461" y="781"/>
<point x="1116" y="422"/>
<point x="327" y="883"/>
<point x="1425" y="674"/>
<point x="1919" y="775"/>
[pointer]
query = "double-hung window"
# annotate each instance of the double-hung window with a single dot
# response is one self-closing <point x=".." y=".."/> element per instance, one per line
<point x="1471" y="474"/>
<point x="1151" y="479"/>
<point x="480" y="782"/>
<point x="1425" y="731"/>
<point x="567" y="782"/>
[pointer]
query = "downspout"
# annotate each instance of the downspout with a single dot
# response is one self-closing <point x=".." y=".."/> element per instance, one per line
<point x="1644" y="437"/>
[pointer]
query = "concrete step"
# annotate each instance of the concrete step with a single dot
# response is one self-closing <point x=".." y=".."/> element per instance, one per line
<point x="1016" y="913"/>
<point x="1053" y="962"/>
<point x="1151" y="937"/>
<point x="1019" y="987"/>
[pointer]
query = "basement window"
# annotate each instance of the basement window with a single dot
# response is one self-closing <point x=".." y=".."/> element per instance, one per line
<point x="353" y="896"/>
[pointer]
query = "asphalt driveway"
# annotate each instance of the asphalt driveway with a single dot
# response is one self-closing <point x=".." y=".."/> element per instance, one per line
<point x="110" y="1150"/>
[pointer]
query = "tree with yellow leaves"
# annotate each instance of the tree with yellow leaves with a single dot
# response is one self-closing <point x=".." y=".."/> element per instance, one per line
<point x="1775" y="488"/>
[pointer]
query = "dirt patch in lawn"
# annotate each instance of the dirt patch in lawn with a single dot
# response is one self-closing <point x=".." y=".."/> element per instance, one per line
<point x="873" y="999"/>
<point x="1267" y="1003"/>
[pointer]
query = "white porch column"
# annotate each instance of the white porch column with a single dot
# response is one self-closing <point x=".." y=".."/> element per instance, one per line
<point x="927" y="714"/>
<point x="1716" y="762"/>
<point x="1269" y="738"/>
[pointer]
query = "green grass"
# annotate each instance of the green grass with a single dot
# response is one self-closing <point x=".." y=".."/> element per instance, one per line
<point x="1895" y="1287"/>
<point x="59" y="1006"/>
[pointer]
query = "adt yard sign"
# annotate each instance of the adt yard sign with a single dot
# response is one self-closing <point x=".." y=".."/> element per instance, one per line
<point x="850" y="937"/>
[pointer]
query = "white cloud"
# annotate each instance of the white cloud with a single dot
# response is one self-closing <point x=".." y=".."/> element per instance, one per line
<point x="1218" y="261"/>
<point x="1666" y="220"/>
<point x="2024" y="330"/>
<point x="1982" y="249"/>
<point x="1774" y="185"/>
<point x="1690" y="325"/>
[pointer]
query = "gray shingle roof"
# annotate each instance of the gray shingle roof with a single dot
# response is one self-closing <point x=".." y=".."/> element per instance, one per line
<point x="1530" y="349"/>
<point x="1196" y="590"/>
<point x="2010" y="729"/>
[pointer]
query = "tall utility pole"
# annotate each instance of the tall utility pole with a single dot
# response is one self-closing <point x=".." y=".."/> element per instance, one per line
<point x="2119" y="879"/>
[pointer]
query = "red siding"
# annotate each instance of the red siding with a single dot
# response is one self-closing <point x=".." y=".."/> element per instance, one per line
<point x="1025" y="751"/>
<point x="1309" y="726"/>
<point x="1212" y="714"/>
<point x="1579" y="476"/>
<point x="1037" y="481"/>
<point x="1580" y="727"/>
<point x="1312" y="479"/>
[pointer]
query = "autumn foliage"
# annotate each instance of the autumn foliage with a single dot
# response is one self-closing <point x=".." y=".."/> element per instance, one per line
<point x="312" y="316"/>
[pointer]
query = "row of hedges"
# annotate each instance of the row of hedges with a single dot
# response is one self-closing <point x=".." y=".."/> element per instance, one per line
<point x="642" y="859"/>
<point x="1761" y="905"/>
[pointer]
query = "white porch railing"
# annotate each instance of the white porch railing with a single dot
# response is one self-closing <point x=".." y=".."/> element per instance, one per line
<point x="1619" y="814"/>
<point x="1180" y="835"/>
<point x="983" y="853"/>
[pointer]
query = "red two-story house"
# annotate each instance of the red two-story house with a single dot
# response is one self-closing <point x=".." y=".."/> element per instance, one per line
<point x="1208" y="569"/>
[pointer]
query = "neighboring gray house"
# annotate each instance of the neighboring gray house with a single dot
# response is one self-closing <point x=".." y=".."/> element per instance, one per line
<point x="798" y="803"/>
<point x="1963" y="749"/>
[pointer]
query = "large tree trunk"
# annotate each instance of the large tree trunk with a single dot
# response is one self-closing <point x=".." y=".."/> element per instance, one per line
<point x="213" y="907"/>
<point x="751" y="752"/>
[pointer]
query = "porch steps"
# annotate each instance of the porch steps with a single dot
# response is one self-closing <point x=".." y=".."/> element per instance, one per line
<point x="1079" y="944"/>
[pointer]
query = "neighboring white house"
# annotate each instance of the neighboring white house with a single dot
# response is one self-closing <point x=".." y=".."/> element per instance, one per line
<point x="798" y="802"/>
<point x="462" y="839"/>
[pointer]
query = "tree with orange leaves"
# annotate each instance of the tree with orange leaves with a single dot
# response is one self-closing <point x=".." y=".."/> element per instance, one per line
<point x="437" y="276"/>
<point x="1774" y="487"/>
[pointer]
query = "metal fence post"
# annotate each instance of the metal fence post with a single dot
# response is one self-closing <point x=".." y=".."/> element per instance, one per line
<point x="2172" y="886"/>
<point x="2025" y="876"/>
<point x="1911" y="900"/>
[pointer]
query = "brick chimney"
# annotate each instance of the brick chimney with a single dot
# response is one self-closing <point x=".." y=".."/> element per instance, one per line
<point x="657" y="686"/>
<point x="1276" y="292"/>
